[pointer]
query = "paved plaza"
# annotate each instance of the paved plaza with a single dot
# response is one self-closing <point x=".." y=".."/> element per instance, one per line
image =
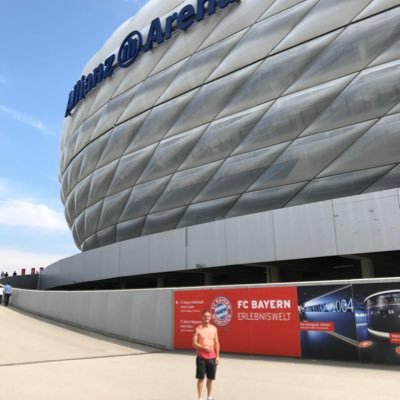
<point x="41" y="359"/>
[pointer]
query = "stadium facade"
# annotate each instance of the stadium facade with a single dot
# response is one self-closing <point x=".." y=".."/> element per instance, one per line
<point x="228" y="141"/>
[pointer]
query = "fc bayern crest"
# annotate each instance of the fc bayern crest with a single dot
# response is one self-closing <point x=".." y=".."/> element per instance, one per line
<point x="221" y="311"/>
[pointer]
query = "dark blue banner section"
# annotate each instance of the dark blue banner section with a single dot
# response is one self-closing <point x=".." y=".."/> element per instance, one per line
<point x="350" y="322"/>
<point x="323" y="307"/>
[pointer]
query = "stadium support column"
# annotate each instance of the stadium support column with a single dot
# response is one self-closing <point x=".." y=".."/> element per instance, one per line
<point x="160" y="281"/>
<point x="366" y="264"/>
<point x="208" y="278"/>
<point x="367" y="268"/>
<point x="272" y="274"/>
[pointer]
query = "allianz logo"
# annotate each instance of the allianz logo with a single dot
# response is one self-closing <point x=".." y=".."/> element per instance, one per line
<point x="133" y="45"/>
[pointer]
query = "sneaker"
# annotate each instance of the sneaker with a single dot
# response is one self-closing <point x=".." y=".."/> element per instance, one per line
<point x="210" y="398"/>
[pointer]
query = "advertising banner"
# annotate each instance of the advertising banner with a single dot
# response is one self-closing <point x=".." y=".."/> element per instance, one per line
<point x="250" y="320"/>
<point x="377" y="308"/>
<point x="327" y="322"/>
<point x="348" y="322"/>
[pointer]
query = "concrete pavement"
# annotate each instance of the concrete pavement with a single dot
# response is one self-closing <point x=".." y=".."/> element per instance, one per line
<point x="40" y="359"/>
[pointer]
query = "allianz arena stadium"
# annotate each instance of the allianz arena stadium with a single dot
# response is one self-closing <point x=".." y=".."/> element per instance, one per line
<point x="211" y="120"/>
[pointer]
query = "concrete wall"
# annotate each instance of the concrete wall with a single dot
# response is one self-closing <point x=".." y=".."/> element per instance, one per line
<point x="365" y="223"/>
<point x="143" y="316"/>
<point x="140" y="315"/>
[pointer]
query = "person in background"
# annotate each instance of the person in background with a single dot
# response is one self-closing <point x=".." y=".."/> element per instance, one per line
<point x="15" y="273"/>
<point x="7" y="293"/>
<point x="205" y="341"/>
<point x="1" y="293"/>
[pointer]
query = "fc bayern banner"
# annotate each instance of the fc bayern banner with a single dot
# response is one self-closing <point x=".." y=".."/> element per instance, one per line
<point x="251" y="320"/>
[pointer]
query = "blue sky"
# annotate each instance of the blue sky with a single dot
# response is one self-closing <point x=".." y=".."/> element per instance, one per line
<point x="44" y="45"/>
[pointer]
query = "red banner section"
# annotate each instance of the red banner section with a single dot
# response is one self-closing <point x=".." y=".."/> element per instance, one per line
<point x="394" y="338"/>
<point x="317" y="326"/>
<point x="253" y="321"/>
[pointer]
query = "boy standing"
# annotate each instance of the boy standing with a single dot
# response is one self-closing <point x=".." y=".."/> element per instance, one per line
<point x="205" y="341"/>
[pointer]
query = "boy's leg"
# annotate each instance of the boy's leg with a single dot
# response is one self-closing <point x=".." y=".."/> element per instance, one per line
<point x="200" y="387"/>
<point x="209" y="387"/>
<point x="200" y="374"/>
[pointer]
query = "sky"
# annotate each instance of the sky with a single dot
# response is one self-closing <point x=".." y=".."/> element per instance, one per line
<point x="44" y="45"/>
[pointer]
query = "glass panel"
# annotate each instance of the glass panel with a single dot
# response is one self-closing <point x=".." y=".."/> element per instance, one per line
<point x="70" y="209"/>
<point x="210" y="100"/>
<point x="84" y="133"/>
<point x="68" y="151"/>
<point x="111" y="112"/>
<point x="101" y="182"/>
<point x="370" y="95"/>
<point x="222" y="137"/>
<point x="130" y="229"/>
<point x="142" y="198"/>
<point x="81" y="113"/>
<point x="129" y="169"/>
<point x="353" y="50"/>
<point x="290" y="115"/>
<point x="90" y="243"/>
<point x="395" y="109"/>
<point x="92" y="217"/>
<point x="152" y="88"/>
<point x="389" y="181"/>
<point x="107" y="236"/>
<point x="120" y="138"/>
<point x="162" y="221"/>
<point x="79" y="228"/>
<point x="183" y="44"/>
<point x="106" y="90"/>
<point x="261" y="38"/>
<point x="243" y="15"/>
<point x="81" y="194"/>
<point x="324" y="17"/>
<point x="199" y="66"/>
<point x="70" y="177"/>
<point x="306" y="157"/>
<point x="276" y="74"/>
<point x="91" y="155"/>
<point x="170" y="154"/>
<point x="264" y="200"/>
<point x="184" y="186"/>
<point x="279" y="6"/>
<point x="378" y="146"/>
<point x="377" y="6"/>
<point x="144" y="66"/>
<point x="130" y="111"/>
<point x="338" y="186"/>
<point x="158" y="122"/>
<point x="207" y="211"/>
<point x="67" y="217"/>
<point x="112" y="208"/>
<point x="239" y="172"/>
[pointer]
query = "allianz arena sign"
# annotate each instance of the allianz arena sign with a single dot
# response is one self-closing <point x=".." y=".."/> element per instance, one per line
<point x="133" y="45"/>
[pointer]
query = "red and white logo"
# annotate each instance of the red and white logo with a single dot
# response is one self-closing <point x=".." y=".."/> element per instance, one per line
<point x="221" y="311"/>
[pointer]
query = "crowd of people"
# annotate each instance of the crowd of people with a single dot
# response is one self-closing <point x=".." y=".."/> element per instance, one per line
<point x="5" y="274"/>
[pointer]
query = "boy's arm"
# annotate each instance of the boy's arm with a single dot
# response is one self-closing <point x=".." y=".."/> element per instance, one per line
<point x="217" y="346"/>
